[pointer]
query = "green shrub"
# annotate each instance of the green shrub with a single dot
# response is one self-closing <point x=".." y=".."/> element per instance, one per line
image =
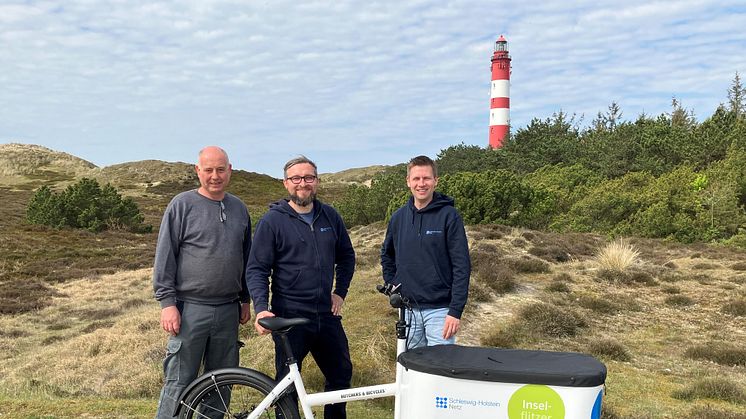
<point x="87" y="206"/>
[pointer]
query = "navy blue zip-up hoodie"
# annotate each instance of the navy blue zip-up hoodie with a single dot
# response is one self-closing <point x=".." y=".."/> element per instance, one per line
<point x="426" y="251"/>
<point x="301" y="259"/>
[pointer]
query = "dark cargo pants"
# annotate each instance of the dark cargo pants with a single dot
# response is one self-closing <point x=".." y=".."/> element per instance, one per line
<point x="209" y="336"/>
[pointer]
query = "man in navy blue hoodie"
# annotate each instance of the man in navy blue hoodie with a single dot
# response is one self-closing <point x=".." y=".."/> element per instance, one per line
<point x="303" y="244"/>
<point x="426" y="251"/>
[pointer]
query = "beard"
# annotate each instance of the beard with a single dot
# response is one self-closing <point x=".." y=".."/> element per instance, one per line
<point x="303" y="202"/>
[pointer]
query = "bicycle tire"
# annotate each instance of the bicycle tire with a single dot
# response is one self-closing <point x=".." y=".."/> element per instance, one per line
<point x="245" y="389"/>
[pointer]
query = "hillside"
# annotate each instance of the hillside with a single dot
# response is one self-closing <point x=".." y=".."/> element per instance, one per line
<point x="29" y="166"/>
<point x="79" y="335"/>
<point x="361" y="175"/>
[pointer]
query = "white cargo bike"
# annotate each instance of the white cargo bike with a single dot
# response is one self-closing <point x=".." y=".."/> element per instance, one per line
<point x="445" y="381"/>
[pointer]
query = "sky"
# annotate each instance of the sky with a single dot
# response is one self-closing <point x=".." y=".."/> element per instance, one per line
<point x="346" y="83"/>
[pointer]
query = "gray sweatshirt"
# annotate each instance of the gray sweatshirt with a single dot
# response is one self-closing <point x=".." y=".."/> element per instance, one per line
<point x="201" y="254"/>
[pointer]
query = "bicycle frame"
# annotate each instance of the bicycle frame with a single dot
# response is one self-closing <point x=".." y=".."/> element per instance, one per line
<point x="293" y="378"/>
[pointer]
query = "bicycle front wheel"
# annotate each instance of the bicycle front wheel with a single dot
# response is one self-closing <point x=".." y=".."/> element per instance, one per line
<point x="235" y="395"/>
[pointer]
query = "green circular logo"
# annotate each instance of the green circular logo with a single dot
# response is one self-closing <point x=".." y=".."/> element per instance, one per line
<point x="536" y="402"/>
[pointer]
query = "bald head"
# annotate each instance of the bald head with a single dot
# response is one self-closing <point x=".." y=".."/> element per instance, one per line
<point x="214" y="172"/>
<point x="213" y="151"/>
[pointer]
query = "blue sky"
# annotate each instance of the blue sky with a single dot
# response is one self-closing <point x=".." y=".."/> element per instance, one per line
<point x="347" y="83"/>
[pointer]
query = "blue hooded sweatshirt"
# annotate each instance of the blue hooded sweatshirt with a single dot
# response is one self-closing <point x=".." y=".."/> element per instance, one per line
<point x="301" y="259"/>
<point x="426" y="251"/>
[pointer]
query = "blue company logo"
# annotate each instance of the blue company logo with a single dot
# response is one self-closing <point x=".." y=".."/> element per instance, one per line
<point x="441" y="402"/>
<point x="430" y="232"/>
<point x="325" y="229"/>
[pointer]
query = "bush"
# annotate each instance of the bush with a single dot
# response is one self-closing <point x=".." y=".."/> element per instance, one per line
<point x="557" y="286"/>
<point x="736" y="308"/>
<point x="599" y="305"/>
<point x="545" y="320"/>
<point x="609" y="349"/>
<point x="679" y="301"/>
<point x="712" y="388"/>
<point x="87" y="206"/>
<point x="719" y="353"/>
<point x="709" y="412"/>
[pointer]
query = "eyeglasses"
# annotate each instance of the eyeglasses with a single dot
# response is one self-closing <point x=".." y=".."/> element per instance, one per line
<point x="223" y="217"/>
<point x="307" y="178"/>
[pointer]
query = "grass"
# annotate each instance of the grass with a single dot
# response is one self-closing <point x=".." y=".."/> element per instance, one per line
<point x="718" y="352"/>
<point x="92" y="346"/>
<point x="735" y="308"/>
<point x="535" y="322"/>
<point x="617" y="256"/>
<point x="679" y="301"/>
<point x="713" y="388"/>
<point x="609" y="349"/>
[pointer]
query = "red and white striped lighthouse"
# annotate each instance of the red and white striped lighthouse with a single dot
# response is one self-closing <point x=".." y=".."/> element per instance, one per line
<point x="500" y="94"/>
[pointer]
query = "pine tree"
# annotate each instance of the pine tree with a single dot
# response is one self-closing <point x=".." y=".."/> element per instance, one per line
<point x="737" y="97"/>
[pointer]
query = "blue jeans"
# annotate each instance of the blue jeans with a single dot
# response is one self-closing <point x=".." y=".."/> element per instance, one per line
<point x="427" y="327"/>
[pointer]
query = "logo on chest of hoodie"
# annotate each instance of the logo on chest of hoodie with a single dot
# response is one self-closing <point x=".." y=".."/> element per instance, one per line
<point x="325" y="229"/>
<point x="433" y="232"/>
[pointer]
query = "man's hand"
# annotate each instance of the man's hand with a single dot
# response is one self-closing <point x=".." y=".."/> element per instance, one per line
<point x="261" y="315"/>
<point x="337" y="303"/>
<point x="171" y="320"/>
<point x="245" y="313"/>
<point x="450" y="327"/>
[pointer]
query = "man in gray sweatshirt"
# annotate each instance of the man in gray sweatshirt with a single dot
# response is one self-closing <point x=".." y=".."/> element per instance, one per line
<point x="198" y="277"/>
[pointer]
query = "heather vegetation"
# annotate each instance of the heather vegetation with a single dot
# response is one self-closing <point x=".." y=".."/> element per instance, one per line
<point x="79" y="330"/>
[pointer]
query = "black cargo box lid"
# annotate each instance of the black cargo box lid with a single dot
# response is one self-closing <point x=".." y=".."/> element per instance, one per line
<point x="516" y="366"/>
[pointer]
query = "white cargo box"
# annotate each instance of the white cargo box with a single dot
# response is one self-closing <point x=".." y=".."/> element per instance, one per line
<point x="452" y="381"/>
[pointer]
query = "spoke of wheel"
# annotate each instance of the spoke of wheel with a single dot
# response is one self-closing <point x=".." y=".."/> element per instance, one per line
<point x="194" y="410"/>
<point x="227" y="409"/>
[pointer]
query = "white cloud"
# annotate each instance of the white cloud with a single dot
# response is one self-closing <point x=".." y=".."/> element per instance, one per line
<point x="356" y="82"/>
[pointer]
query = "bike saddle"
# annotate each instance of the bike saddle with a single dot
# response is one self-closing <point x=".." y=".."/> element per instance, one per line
<point x="279" y="324"/>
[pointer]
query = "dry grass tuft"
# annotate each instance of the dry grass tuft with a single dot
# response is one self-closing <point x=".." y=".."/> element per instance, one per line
<point x="712" y="388"/>
<point x="609" y="349"/>
<point x="718" y="352"/>
<point x="617" y="256"/>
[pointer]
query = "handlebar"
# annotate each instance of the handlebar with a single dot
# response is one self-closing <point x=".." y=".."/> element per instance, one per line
<point x="395" y="298"/>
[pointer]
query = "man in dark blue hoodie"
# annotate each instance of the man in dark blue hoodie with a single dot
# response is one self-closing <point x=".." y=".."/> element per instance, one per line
<point x="303" y="244"/>
<point x="426" y="251"/>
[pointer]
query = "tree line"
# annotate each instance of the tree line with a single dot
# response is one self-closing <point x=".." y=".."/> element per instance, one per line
<point x="663" y="176"/>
